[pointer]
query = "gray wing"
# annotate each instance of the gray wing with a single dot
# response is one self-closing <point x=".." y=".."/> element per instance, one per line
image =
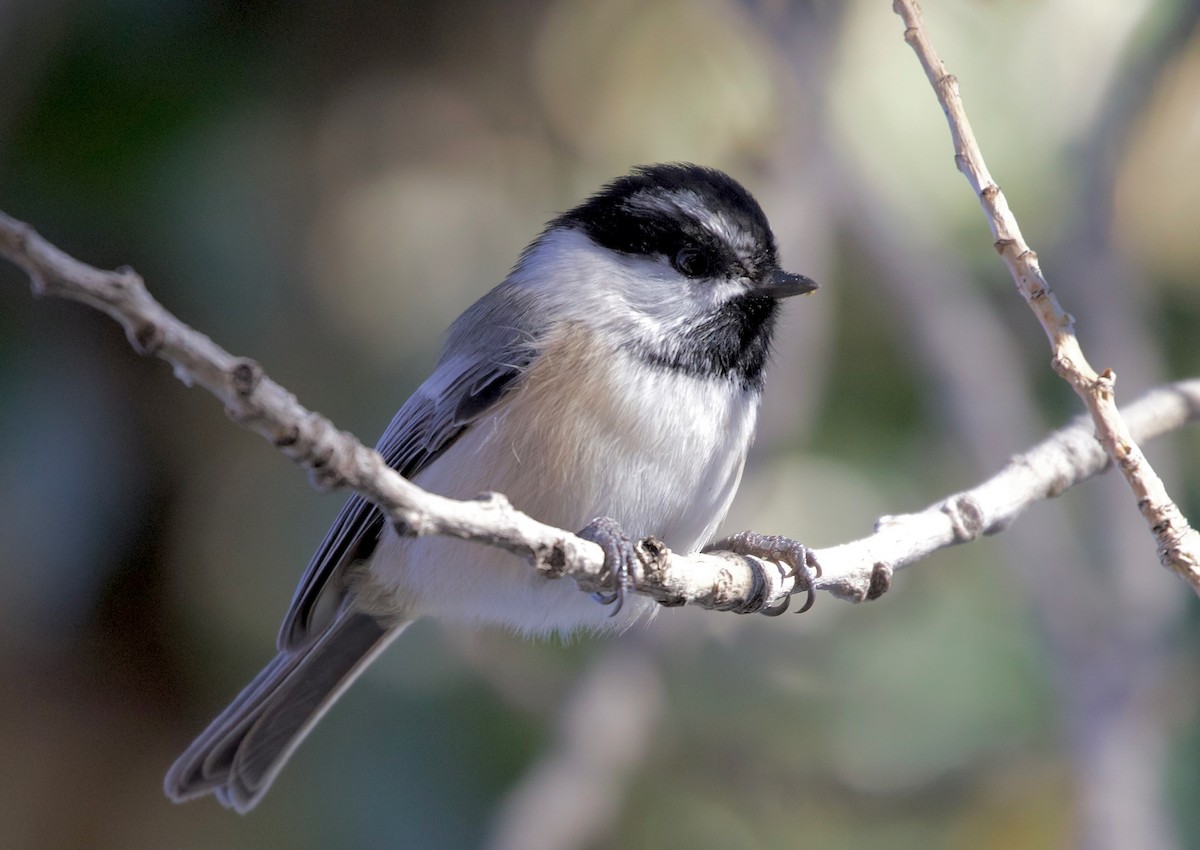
<point x="483" y="361"/>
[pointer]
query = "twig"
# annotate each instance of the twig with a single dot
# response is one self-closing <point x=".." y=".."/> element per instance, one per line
<point x="721" y="580"/>
<point x="1064" y="459"/>
<point x="1177" y="542"/>
<point x="943" y="320"/>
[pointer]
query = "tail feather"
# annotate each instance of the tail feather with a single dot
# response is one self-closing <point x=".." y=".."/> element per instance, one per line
<point x="242" y="751"/>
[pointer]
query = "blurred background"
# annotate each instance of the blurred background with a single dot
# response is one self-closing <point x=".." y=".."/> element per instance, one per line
<point x="323" y="186"/>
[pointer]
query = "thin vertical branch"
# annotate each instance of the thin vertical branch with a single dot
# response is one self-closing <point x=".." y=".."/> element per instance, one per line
<point x="1177" y="542"/>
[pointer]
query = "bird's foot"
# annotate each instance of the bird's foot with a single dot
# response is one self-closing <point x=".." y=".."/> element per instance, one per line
<point x="776" y="547"/>
<point x="619" y="558"/>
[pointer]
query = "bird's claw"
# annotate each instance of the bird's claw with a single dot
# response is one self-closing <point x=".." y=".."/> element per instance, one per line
<point x="784" y="550"/>
<point x="619" y="558"/>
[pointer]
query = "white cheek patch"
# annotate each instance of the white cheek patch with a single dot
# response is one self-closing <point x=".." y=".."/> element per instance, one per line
<point x="630" y="298"/>
<point x="581" y="281"/>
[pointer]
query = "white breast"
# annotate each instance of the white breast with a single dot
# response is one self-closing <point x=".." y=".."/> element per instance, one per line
<point x="590" y="433"/>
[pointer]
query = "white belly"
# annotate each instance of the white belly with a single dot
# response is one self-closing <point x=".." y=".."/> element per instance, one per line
<point x="566" y="449"/>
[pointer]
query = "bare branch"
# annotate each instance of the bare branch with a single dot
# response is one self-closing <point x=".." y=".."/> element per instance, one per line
<point x="1069" y="456"/>
<point x="1178" y="543"/>
<point x="723" y="581"/>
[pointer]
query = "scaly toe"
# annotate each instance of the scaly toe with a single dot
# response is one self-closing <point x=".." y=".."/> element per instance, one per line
<point x="619" y="558"/>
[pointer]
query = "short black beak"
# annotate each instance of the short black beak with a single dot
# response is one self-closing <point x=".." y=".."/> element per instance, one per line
<point x="780" y="284"/>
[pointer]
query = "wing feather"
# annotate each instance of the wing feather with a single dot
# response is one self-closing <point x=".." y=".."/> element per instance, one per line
<point x="467" y="383"/>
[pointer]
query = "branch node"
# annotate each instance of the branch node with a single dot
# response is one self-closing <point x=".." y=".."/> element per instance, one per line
<point x="126" y="279"/>
<point x="966" y="517"/>
<point x="495" y="501"/>
<point x="1002" y="245"/>
<point x="989" y="193"/>
<point x="287" y="437"/>
<point x="653" y="557"/>
<point x="881" y="580"/>
<point x="403" y="527"/>
<point x="324" y="471"/>
<point x="325" y="479"/>
<point x="551" y="561"/>
<point x="245" y="375"/>
<point x="145" y="338"/>
<point x="652" y="553"/>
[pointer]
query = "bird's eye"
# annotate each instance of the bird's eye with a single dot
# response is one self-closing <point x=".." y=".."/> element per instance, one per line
<point x="691" y="262"/>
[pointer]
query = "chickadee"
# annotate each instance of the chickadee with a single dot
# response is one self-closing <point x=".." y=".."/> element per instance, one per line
<point x="615" y="373"/>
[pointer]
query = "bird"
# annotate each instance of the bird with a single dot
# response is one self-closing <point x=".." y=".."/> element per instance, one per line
<point x="611" y="384"/>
